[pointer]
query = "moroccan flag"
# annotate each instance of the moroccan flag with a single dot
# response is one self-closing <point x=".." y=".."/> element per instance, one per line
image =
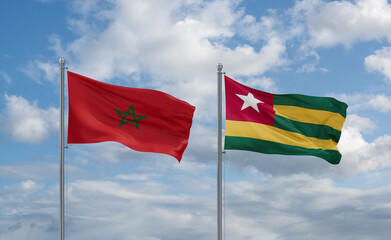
<point x="289" y="124"/>
<point x="141" y="119"/>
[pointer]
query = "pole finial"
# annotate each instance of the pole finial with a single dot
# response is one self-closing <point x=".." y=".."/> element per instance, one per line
<point x="62" y="61"/>
<point x="219" y="67"/>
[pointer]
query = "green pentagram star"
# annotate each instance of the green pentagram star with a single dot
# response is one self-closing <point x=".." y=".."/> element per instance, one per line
<point x="123" y="116"/>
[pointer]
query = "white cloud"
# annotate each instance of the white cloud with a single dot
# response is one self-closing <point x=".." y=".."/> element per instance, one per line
<point x="179" y="45"/>
<point x="135" y="176"/>
<point x="5" y="76"/>
<point x="265" y="83"/>
<point x="39" y="71"/>
<point x="109" y="153"/>
<point x="295" y="207"/>
<point x="267" y="27"/>
<point x="364" y="102"/>
<point x="318" y="23"/>
<point x="34" y="171"/>
<point x="381" y="103"/>
<point x="26" y="122"/>
<point x="344" y="22"/>
<point x="360" y="156"/>
<point x="380" y="62"/>
<point x="303" y="207"/>
<point x="311" y="67"/>
<point x="244" y="60"/>
<point x="24" y="188"/>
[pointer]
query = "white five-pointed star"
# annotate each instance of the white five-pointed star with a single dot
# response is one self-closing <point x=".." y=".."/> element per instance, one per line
<point x="249" y="101"/>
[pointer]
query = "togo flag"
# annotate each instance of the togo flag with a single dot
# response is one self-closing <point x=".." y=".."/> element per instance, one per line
<point x="289" y="124"/>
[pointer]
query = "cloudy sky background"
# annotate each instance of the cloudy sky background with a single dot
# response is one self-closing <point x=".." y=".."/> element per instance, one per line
<point x="322" y="48"/>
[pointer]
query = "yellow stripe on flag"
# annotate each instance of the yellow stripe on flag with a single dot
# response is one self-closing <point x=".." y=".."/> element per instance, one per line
<point x="334" y="120"/>
<point x="273" y="134"/>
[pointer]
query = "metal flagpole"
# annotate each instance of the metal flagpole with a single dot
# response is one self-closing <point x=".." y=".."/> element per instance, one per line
<point x="62" y="218"/>
<point x="219" y="153"/>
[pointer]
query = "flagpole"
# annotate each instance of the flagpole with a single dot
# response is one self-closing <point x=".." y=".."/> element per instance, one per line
<point x="219" y="153"/>
<point x="62" y="218"/>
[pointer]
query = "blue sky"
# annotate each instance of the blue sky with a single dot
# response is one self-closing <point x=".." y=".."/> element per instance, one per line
<point x="322" y="48"/>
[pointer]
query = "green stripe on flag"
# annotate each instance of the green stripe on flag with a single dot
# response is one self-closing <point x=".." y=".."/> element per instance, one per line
<point x="307" y="129"/>
<point x="311" y="102"/>
<point x="262" y="146"/>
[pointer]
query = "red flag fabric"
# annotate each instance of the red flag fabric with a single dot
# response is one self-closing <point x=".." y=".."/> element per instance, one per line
<point x="142" y="119"/>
